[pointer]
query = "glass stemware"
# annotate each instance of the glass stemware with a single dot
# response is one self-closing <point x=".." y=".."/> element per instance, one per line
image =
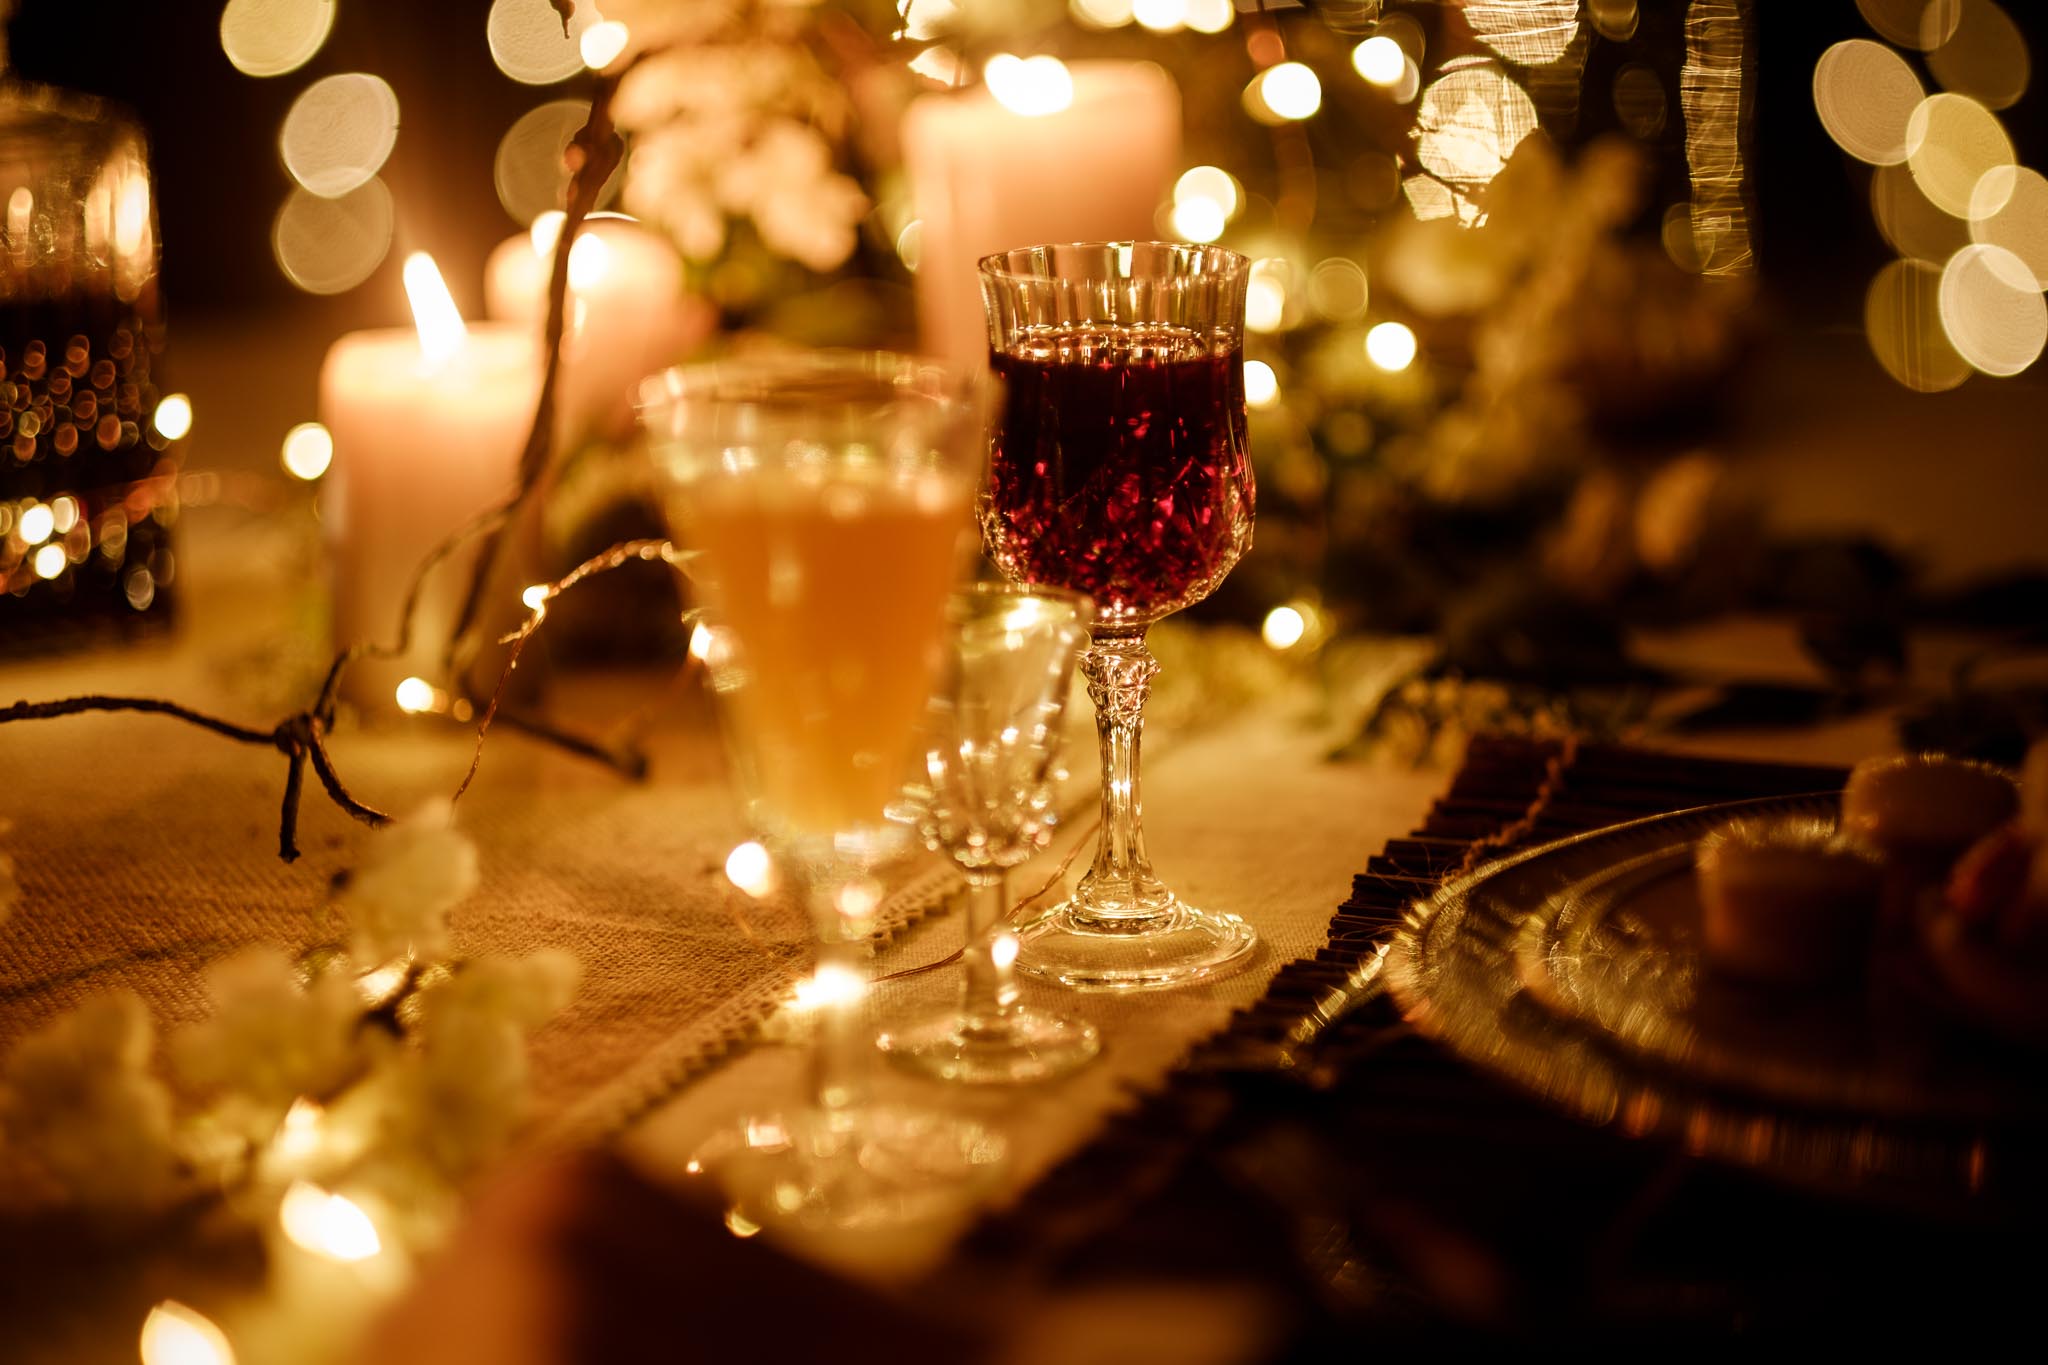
<point x="1118" y="467"/>
<point x="822" y="499"/>
<point x="986" y="800"/>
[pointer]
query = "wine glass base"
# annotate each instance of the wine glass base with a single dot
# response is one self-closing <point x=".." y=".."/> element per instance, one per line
<point x="1181" y="946"/>
<point x="1023" y="1047"/>
<point x="871" y="1168"/>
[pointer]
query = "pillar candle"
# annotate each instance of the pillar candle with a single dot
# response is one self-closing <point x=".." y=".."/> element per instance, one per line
<point x="628" y="314"/>
<point x="986" y="178"/>
<point x="425" y="438"/>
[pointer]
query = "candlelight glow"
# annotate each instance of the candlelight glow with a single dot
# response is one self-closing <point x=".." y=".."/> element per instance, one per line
<point x="298" y="1136"/>
<point x="308" y="450"/>
<point x="1391" y="346"/>
<point x="433" y="310"/>
<point x="1003" y="952"/>
<point x="749" y="868"/>
<point x="173" y="1334"/>
<point x="174" y="416"/>
<point x="1380" y="60"/>
<point x="327" y="1224"/>
<point x="602" y="43"/>
<point x="1033" y="86"/>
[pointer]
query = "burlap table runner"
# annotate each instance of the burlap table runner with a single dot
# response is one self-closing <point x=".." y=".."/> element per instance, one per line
<point x="147" y="849"/>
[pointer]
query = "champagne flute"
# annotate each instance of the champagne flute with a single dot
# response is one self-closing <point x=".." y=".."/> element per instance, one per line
<point x="986" y="800"/>
<point x="1118" y="467"/>
<point x="822" y="500"/>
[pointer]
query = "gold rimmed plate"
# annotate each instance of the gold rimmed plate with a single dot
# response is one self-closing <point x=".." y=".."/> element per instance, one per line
<point x="1574" y="970"/>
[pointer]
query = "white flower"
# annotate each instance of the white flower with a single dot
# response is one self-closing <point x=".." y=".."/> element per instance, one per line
<point x="79" y="1100"/>
<point x="412" y="874"/>
<point x="814" y="224"/>
<point x="269" y="1041"/>
<point x="464" y="1092"/>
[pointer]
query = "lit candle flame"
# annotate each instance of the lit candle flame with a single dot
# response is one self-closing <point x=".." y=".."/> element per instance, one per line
<point x="433" y="310"/>
<point x="173" y="1334"/>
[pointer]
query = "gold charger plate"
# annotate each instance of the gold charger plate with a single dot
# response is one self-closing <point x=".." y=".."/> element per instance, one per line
<point x="1573" y="970"/>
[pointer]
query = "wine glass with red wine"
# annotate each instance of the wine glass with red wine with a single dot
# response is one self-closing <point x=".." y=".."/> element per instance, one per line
<point x="1118" y="467"/>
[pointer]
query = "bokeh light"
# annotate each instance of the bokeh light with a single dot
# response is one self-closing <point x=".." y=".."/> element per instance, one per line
<point x="601" y="44"/>
<point x="1199" y="220"/>
<point x="1102" y="13"/>
<point x="1265" y="295"/>
<point x="1984" y="55"/>
<point x="2009" y="208"/>
<point x="1210" y="16"/>
<point x="1910" y="222"/>
<point x="750" y="868"/>
<point x="1337" y="288"/>
<point x="1283" y="628"/>
<point x="1527" y="32"/>
<point x="1380" y="60"/>
<point x="1992" y="310"/>
<point x="1261" y="384"/>
<point x="339" y="132"/>
<point x="415" y="696"/>
<point x="1616" y="19"/>
<point x="1391" y="346"/>
<point x="329" y="1225"/>
<point x="1212" y="183"/>
<point x="36" y="524"/>
<point x="325" y="246"/>
<point x="528" y="42"/>
<point x="1289" y="91"/>
<point x="1912" y="23"/>
<point x="173" y="1334"/>
<point x="1161" y="16"/>
<point x="271" y="37"/>
<point x="529" y="169"/>
<point x="1952" y="141"/>
<point x="1902" y="322"/>
<point x="307" y="451"/>
<point x="50" y="560"/>
<point x="173" y="419"/>
<point x="1643" y="108"/>
<point x="1031" y="86"/>
<point x="1470" y="123"/>
<point x="1865" y="94"/>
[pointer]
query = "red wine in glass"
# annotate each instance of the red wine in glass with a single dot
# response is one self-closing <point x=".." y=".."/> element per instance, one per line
<point x="1118" y="466"/>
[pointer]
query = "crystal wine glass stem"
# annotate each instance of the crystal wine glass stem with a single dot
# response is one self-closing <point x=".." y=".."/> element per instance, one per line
<point x="1120" y="884"/>
<point x="990" y="990"/>
<point x="840" y="1043"/>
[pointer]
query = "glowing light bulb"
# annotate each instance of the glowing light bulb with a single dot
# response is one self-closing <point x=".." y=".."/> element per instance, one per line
<point x="749" y="868"/>
<point x="1261" y="385"/>
<point x="308" y="450"/>
<point x="534" y="596"/>
<point x="329" y="1225"/>
<point x="414" y="696"/>
<point x="1380" y="60"/>
<point x="440" y="325"/>
<point x="1031" y="86"/>
<point x="174" y="416"/>
<point x="1283" y="628"/>
<point x="1391" y="346"/>
<point x="36" y="524"/>
<point x="601" y="44"/>
<point x="173" y="1334"/>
